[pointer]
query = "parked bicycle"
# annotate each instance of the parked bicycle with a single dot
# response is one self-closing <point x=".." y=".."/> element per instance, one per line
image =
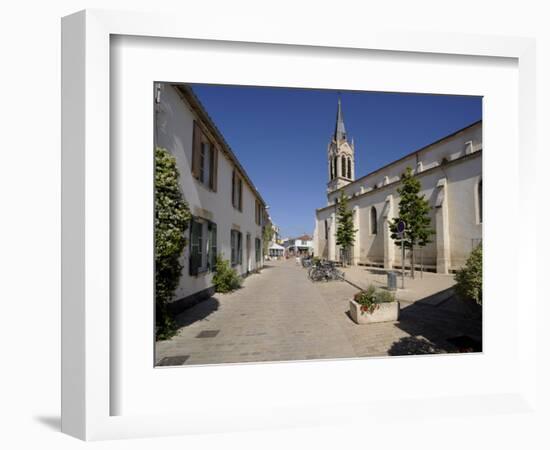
<point x="325" y="270"/>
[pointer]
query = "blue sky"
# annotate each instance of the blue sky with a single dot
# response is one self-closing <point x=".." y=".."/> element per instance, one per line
<point x="281" y="137"/>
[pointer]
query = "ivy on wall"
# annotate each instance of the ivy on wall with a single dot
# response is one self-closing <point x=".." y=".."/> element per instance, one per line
<point x="172" y="217"/>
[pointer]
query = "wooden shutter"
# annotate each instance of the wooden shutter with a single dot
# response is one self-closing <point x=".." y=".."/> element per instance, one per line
<point x="196" y="157"/>
<point x="214" y="170"/>
<point x="233" y="189"/>
<point x="239" y="248"/>
<point x="233" y="248"/>
<point x="212" y="245"/>
<point x="258" y="250"/>
<point x="240" y="194"/>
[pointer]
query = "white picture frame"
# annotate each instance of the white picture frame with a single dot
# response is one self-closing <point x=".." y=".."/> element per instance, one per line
<point x="87" y="326"/>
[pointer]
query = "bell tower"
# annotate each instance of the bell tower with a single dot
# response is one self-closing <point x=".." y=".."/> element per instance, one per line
<point x="341" y="155"/>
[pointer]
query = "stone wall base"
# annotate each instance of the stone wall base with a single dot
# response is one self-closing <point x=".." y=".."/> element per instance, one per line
<point x="386" y="312"/>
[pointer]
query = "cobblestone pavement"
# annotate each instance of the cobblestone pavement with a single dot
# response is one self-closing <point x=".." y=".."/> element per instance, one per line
<point x="279" y="315"/>
<point x="422" y="286"/>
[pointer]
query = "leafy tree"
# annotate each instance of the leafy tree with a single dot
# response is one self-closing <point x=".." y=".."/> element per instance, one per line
<point x="171" y="220"/>
<point x="414" y="211"/>
<point x="469" y="279"/>
<point x="267" y="235"/>
<point x="345" y="233"/>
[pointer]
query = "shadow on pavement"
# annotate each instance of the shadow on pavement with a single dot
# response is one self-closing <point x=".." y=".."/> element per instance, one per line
<point x="377" y="271"/>
<point x="198" y="312"/>
<point x="413" y="345"/>
<point x="437" y="323"/>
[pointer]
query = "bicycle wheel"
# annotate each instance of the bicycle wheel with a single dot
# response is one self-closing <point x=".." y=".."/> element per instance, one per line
<point x="317" y="275"/>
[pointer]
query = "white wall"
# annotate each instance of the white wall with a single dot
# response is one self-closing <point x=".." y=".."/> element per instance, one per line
<point x="430" y="157"/>
<point x="175" y="133"/>
<point x="462" y="178"/>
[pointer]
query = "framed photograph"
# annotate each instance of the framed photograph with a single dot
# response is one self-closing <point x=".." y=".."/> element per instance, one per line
<point x="234" y="285"/>
<point x="252" y="222"/>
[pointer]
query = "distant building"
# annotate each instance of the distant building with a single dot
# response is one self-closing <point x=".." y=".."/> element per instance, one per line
<point x="228" y="211"/>
<point x="302" y="245"/>
<point x="450" y="173"/>
<point x="274" y="248"/>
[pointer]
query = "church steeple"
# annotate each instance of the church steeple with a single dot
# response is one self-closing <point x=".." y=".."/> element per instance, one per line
<point x="340" y="129"/>
<point x="341" y="155"/>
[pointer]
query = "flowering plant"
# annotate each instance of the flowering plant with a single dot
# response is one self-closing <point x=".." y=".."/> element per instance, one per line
<point x="370" y="299"/>
<point x="367" y="299"/>
<point x="172" y="217"/>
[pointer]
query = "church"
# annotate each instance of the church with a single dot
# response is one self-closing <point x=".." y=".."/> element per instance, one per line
<point x="450" y="173"/>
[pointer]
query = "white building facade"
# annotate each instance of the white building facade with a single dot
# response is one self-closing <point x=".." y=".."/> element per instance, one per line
<point x="228" y="211"/>
<point x="302" y="245"/>
<point x="450" y="173"/>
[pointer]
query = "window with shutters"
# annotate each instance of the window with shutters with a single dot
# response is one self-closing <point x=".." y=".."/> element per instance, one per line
<point x="195" y="246"/>
<point x="240" y="193"/>
<point x="236" y="247"/>
<point x="204" y="159"/>
<point x="259" y="213"/>
<point x="237" y="191"/>
<point x="203" y="246"/>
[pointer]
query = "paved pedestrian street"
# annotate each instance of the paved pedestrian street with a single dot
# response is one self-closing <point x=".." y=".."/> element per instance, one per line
<point x="280" y="315"/>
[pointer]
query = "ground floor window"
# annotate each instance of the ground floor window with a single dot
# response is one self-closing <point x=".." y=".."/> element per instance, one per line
<point x="203" y="245"/>
<point x="258" y="250"/>
<point x="236" y="247"/>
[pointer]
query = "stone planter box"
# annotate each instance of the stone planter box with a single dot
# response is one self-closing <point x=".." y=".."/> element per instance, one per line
<point x="386" y="312"/>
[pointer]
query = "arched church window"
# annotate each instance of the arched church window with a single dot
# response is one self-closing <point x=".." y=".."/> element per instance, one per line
<point x="373" y="221"/>
<point x="480" y="201"/>
<point x="331" y="168"/>
<point x="349" y="168"/>
<point x="344" y="166"/>
<point x="335" y="166"/>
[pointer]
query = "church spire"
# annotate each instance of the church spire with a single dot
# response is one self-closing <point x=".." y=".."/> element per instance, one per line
<point x="340" y="129"/>
<point x="341" y="155"/>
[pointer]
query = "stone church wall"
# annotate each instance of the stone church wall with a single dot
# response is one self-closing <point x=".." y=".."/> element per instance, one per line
<point x="449" y="173"/>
